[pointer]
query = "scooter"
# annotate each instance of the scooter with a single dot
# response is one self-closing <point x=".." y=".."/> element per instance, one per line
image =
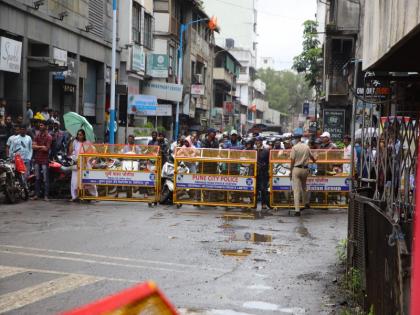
<point x="167" y="177"/>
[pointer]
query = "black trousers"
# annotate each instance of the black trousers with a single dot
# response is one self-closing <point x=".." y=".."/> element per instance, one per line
<point x="262" y="187"/>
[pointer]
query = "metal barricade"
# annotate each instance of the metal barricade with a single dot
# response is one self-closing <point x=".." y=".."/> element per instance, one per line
<point x="215" y="177"/>
<point x="119" y="172"/>
<point x="328" y="184"/>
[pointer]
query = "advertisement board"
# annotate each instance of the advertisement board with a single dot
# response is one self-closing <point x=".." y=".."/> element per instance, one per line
<point x="313" y="184"/>
<point x="335" y="123"/>
<point x="143" y="105"/>
<point x="218" y="182"/>
<point x="197" y="89"/>
<point x="100" y="177"/>
<point x="157" y="65"/>
<point x="164" y="91"/>
<point x="10" y="55"/>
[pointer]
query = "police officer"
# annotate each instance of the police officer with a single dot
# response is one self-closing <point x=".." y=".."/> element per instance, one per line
<point x="299" y="158"/>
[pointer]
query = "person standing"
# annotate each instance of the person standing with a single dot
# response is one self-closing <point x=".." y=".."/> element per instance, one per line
<point x="58" y="139"/>
<point x="326" y="141"/>
<point x="9" y="126"/>
<point x="22" y="145"/>
<point x="3" y="139"/>
<point x="29" y="115"/>
<point x="45" y="113"/>
<point x="210" y="142"/>
<point x="233" y="143"/>
<point x="347" y="154"/>
<point x="263" y="161"/>
<point x="3" y="109"/>
<point x="299" y="159"/>
<point x="75" y="149"/>
<point x="154" y="140"/>
<point x="41" y="147"/>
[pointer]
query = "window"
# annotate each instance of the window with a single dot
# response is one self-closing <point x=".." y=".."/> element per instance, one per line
<point x="243" y="70"/>
<point x="136" y="23"/>
<point x="148" y="31"/>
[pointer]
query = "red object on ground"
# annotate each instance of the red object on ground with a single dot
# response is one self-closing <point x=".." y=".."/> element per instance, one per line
<point x="19" y="164"/>
<point x="144" y="297"/>
<point x="415" y="262"/>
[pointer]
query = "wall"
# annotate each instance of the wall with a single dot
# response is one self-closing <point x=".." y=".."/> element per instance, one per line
<point x="386" y="23"/>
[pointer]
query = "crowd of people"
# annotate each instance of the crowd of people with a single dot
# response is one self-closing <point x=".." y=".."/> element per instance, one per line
<point x="36" y="138"/>
<point x="301" y="147"/>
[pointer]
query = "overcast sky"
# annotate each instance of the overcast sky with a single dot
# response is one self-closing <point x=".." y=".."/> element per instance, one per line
<point x="280" y="28"/>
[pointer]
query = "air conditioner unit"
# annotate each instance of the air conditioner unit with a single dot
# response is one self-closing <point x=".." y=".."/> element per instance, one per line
<point x="199" y="78"/>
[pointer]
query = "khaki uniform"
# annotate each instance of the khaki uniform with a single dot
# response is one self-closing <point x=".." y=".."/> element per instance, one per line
<point x="301" y="154"/>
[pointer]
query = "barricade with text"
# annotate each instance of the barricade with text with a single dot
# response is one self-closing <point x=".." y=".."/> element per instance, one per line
<point x="215" y="177"/>
<point x="119" y="172"/>
<point x="328" y="184"/>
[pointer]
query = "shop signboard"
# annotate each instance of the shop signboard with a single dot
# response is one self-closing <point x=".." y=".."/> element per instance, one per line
<point x="218" y="182"/>
<point x="60" y="56"/>
<point x="157" y="65"/>
<point x="313" y="184"/>
<point x="138" y="62"/>
<point x="10" y="55"/>
<point x="118" y="178"/>
<point x="197" y="89"/>
<point x="334" y="123"/>
<point x="163" y="90"/>
<point x="228" y="108"/>
<point x="142" y="105"/>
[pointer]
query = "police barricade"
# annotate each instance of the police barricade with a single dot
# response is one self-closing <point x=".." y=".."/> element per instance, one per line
<point x="119" y="172"/>
<point x="215" y="177"/>
<point x="328" y="183"/>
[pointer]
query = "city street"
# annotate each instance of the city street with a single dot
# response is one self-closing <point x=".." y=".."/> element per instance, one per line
<point x="56" y="255"/>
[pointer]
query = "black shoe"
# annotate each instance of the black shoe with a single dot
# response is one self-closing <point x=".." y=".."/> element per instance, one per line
<point x="307" y="207"/>
<point x="297" y="214"/>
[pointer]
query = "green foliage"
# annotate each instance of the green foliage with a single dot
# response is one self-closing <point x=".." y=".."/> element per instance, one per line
<point x="149" y="125"/>
<point x="161" y="129"/>
<point x="307" y="61"/>
<point x="285" y="88"/>
<point x="341" y="251"/>
<point x="339" y="144"/>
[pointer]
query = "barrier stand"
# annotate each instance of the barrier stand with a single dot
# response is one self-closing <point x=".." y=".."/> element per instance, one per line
<point x="119" y="172"/>
<point x="215" y="177"/>
<point x="142" y="299"/>
<point x="328" y="184"/>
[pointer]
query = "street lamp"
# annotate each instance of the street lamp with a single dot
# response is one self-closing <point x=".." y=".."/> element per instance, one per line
<point x="113" y="61"/>
<point x="212" y="26"/>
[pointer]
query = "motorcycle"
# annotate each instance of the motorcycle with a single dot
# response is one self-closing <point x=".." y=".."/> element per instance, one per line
<point x="167" y="177"/>
<point x="59" y="175"/>
<point x="12" y="182"/>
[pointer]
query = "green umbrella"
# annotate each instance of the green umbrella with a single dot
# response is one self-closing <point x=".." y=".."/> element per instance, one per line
<point x="74" y="122"/>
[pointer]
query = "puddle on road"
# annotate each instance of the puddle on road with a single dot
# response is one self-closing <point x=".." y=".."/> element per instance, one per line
<point x="236" y="252"/>
<point x="303" y="232"/>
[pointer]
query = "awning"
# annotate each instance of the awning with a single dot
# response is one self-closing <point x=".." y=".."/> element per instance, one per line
<point x="45" y="64"/>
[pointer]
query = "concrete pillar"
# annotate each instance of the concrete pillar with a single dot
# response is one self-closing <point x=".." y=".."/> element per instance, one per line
<point x="100" y="101"/>
<point x="24" y="72"/>
<point x="50" y="81"/>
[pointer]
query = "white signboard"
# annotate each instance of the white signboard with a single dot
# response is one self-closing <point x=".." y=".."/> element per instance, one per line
<point x="218" y="182"/>
<point x="314" y="184"/>
<point x="164" y="91"/>
<point x="60" y="56"/>
<point x="138" y="59"/>
<point x="118" y="178"/>
<point x="197" y="89"/>
<point x="10" y="54"/>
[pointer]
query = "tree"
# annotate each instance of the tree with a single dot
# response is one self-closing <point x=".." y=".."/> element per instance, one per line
<point x="285" y="88"/>
<point x="307" y="62"/>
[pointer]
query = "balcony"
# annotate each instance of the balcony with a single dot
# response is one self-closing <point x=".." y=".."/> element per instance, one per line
<point x="224" y="77"/>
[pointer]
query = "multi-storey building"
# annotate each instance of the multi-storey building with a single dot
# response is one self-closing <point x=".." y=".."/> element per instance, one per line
<point x="59" y="55"/>
<point x="197" y="56"/>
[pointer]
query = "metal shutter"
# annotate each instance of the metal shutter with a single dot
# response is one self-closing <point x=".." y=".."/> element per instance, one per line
<point x="96" y="17"/>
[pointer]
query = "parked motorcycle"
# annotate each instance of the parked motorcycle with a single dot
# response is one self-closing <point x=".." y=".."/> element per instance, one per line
<point x="167" y="178"/>
<point x="12" y="183"/>
<point x="59" y="174"/>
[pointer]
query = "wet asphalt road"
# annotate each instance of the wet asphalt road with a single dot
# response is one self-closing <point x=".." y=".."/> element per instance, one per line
<point x="56" y="255"/>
